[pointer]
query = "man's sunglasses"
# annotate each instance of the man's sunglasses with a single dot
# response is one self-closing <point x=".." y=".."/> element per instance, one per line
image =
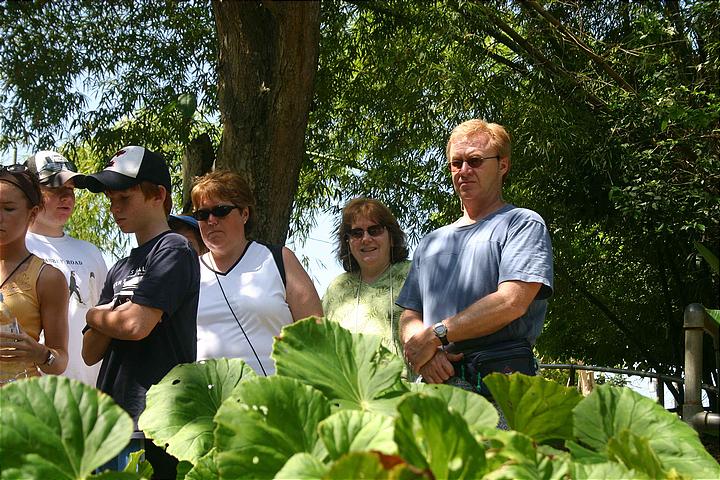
<point x="359" y="233"/>
<point x="14" y="168"/>
<point x="218" y="211"/>
<point x="474" y="162"/>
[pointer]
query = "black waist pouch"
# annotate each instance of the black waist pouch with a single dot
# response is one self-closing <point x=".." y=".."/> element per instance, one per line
<point x="507" y="358"/>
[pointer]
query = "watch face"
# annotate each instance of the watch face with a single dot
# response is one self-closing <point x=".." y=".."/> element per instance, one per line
<point x="440" y="329"/>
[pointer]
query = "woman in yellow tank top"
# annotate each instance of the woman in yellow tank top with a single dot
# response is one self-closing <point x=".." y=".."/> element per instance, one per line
<point x="36" y="293"/>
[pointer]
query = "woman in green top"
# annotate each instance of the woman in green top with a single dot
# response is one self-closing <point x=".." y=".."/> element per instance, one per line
<point x="372" y="250"/>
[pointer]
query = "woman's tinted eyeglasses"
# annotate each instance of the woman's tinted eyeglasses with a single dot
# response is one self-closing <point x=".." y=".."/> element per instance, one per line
<point x="359" y="233"/>
<point x="474" y="162"/>
<point x="218" y="211"/>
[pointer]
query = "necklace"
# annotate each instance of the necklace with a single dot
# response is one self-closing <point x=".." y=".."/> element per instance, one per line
<point x="15" y="270"/>
<point x="391" y="304"/>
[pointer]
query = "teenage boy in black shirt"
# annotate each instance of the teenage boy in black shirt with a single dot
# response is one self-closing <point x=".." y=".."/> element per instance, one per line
<point x="145" y="321"/>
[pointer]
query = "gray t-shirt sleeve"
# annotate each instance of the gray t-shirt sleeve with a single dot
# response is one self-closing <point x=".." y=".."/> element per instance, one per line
<point x="527" y="256"/>
<point x="410" y="297"/>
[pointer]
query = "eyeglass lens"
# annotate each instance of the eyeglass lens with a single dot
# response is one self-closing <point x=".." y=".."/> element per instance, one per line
<point x="14" y="168"/>
<point x="474" y="162"/>
<point x="373" y="231"/>
<point x="218" y="211"/>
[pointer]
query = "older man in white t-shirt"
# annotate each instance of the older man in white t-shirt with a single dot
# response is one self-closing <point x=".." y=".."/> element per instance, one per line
<point x="81" y="262"/>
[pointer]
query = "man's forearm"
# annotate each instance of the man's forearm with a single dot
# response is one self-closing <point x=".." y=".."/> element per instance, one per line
<point x="106" y="322"/>
<point x="492" y="312"/>
<point x="411" y="322"/>
<point x="95" y="344"/>
<point x="419" y="343"/>
<point x="128" y="321"/>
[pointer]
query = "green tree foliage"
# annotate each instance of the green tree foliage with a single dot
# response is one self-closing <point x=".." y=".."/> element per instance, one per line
<point x="614" y="115"/>
<point x="612" y="106"/>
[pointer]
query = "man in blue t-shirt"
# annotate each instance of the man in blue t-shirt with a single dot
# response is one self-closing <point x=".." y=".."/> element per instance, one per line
<point x="476" y="295"/>
<point x="145" y="321"/>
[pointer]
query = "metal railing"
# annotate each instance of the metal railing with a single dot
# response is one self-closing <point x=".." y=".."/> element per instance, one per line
<point x="573" y="368"/>
<point x="696" y="324"/>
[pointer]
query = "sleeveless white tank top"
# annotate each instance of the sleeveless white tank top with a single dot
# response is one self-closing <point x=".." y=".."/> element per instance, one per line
<point x="254" y="291"/>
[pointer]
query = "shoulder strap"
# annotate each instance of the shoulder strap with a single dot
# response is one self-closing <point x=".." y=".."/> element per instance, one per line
<point x="276" y="251"/>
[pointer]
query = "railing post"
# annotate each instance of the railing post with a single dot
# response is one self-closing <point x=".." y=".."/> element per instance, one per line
<point x="694" y="322"/>
<point x="571" y="380"/>
<point x="660" y="391"/>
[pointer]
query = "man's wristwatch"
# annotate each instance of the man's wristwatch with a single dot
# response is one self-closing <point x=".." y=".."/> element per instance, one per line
<point x="440" y="331"/>
<point x="50" y="358"/>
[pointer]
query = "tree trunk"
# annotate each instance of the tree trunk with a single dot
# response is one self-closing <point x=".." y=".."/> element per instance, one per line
<point x="197" y="160"/>
<point x="268" y="55"/>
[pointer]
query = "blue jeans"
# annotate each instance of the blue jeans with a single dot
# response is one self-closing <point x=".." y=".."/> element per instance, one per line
<point x="118" y="464"/>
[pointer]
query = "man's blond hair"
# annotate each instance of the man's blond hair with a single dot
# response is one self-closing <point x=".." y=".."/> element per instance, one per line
<point x="499" y="137"/>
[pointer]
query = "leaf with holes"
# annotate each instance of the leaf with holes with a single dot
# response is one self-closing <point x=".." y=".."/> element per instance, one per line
<point x="266" y="421"/>
<point x="181" y="407"/>
<point x="302" y="466"/>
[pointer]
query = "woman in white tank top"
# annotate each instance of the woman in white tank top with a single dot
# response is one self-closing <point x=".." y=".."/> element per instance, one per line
<point x="248" y="290"/>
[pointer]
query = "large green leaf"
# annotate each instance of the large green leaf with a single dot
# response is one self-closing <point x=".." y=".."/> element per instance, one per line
<point x="180" y="409"/>
<point x="635" y="453"/>
<point x="505" y="446"/>
<point x="108" y="475"/>
<point x="609" y="411"/>
<point x="302" y="466"/>
<point x="714" y="314"/>
<point x="603" y="471"/>
<point x="539" y="467"/>
<point x="709" y="256"/>
<point x="534" y="406"/>
<point x="353" y="371"/>
<point x="54" y="427"/>
<point x="354" y="431"/>
<point x="205" y="468"/>
<point x="513" y="455"/>
<point x="429" y="435"/>
<point x="138" y="464"/>
<point x="370" y="465"/>
<point x="266" y="421"/>
<point x="582" y="454"/>
<point x="477" y="412"/>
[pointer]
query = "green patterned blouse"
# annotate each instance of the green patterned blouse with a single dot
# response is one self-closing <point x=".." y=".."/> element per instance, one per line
<point x="368" y="308"/>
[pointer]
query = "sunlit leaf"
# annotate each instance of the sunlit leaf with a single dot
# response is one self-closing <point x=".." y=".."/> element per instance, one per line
<point x="54" y="427"/>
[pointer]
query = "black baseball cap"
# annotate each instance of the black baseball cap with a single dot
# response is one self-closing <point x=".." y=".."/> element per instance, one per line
<point x="127" y="168"/>
<point x="52" y="169"/>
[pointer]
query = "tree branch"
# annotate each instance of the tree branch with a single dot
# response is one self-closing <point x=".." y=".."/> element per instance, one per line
<point x="615" y="321"/>
<point x="535" y="55"/>
<point x="534" y="5"/>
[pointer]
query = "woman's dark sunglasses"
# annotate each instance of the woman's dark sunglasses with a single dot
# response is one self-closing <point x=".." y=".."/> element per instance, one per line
<point x="373" y="231"/>
<point x="218" y="211"/>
